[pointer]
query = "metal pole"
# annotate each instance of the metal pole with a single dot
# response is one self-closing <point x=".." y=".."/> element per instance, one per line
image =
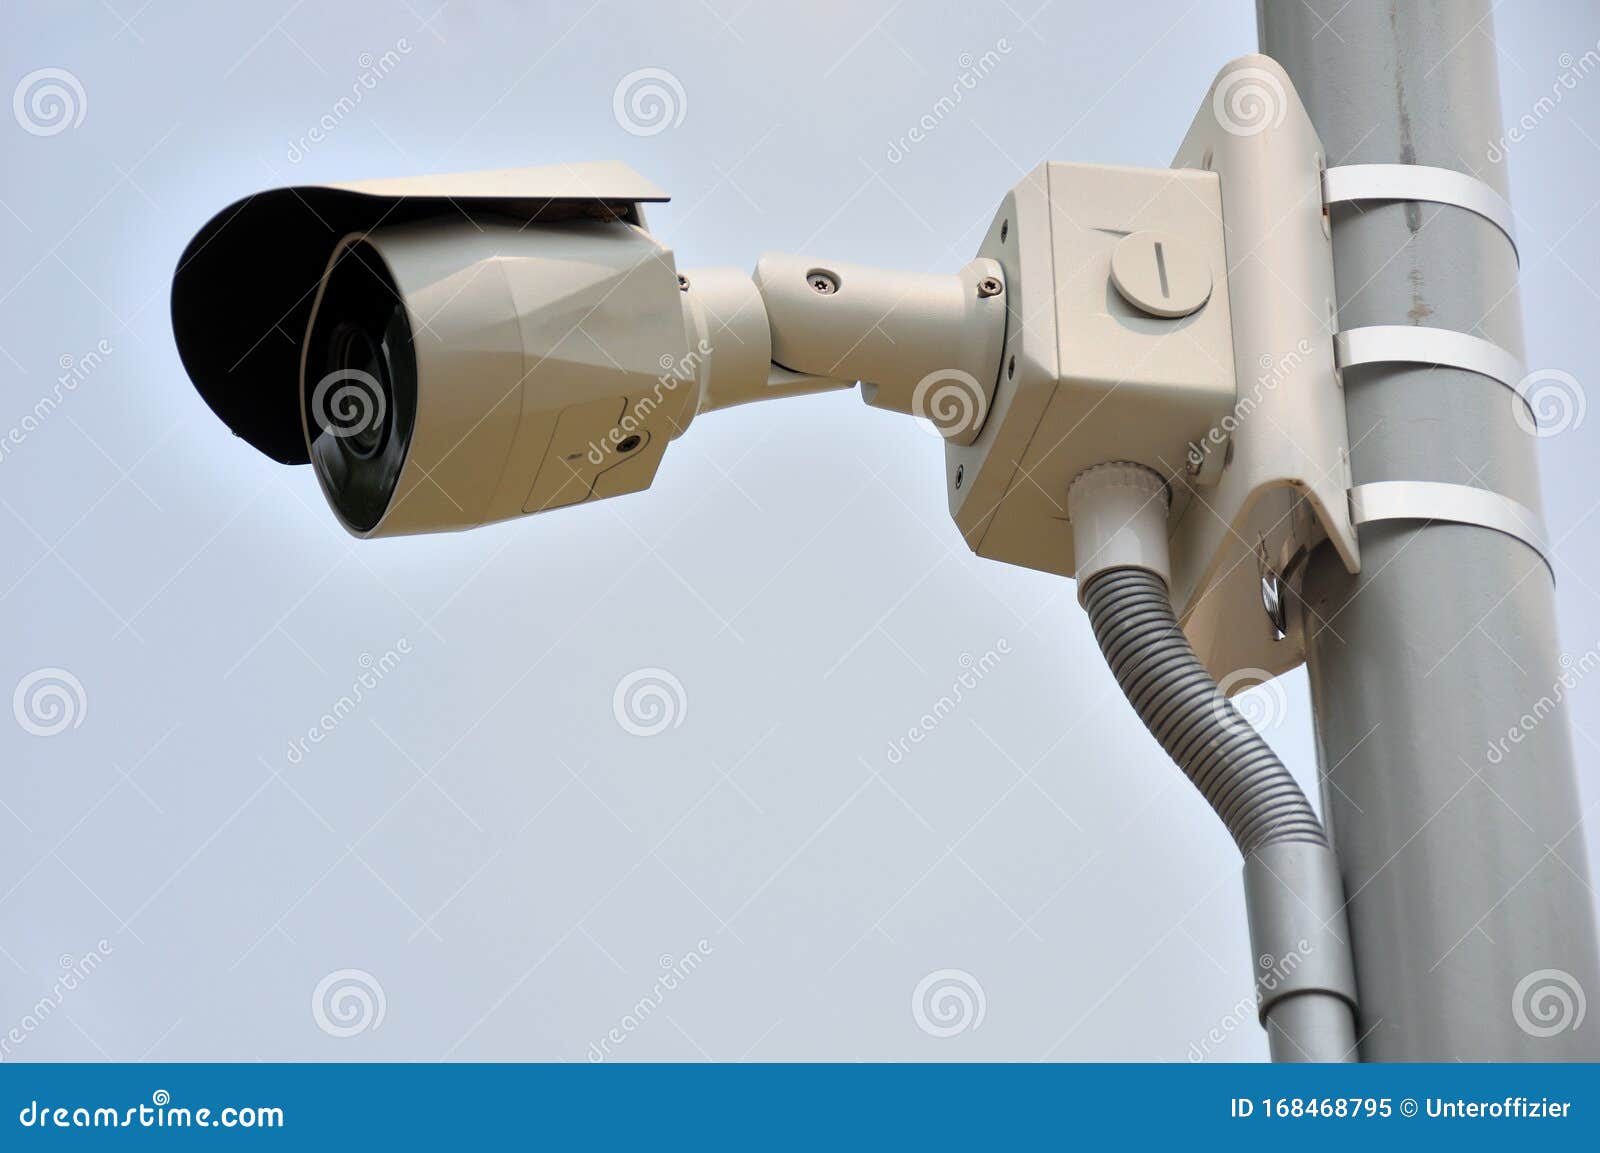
<point x="1470" y="909"/>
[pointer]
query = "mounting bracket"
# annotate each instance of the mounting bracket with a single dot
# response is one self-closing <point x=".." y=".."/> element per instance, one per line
<point x="1181" y="319"/>
<point x="1287" y="472"/>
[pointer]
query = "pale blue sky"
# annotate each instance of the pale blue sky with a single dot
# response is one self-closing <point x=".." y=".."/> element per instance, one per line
<point x="481" y="837"/>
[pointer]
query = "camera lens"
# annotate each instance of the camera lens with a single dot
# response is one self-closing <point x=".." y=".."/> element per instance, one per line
<point x="359" y="359"/>
<point x="360" y="387"/>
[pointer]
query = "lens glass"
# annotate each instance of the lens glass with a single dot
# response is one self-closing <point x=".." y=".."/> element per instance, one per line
<point x="359" y="389"/>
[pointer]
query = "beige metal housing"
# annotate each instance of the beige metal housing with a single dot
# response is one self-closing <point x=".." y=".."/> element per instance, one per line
<point x="1285" y="442"/>
<point x="925" y="344"/>
<point x="1088" y="376"/>
<point x="539" y="352"/>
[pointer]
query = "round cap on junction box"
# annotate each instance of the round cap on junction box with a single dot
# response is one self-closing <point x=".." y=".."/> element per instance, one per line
<point x="1160" y="274"/>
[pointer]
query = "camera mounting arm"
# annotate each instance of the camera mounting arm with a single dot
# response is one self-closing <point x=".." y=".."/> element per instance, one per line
<point x="924" y="344"/>
<point x="475" y="347"/>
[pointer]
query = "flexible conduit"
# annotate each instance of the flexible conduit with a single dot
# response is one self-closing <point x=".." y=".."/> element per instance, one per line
<point x="1233" y="767"/>
<point x="1293" y="894"/>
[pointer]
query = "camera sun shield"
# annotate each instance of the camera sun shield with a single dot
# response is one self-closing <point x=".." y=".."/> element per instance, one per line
<point x="252" y="272"/>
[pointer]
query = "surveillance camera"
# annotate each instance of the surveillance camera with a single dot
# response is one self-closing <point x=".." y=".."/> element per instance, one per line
<point x="447" y="351"/>
<point x="460" y="372"/>
<point x="450" y="351"/>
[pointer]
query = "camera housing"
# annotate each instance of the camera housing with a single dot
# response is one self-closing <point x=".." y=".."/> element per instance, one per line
<point x="454" y="350"/>
<point x="458" y="372"/>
